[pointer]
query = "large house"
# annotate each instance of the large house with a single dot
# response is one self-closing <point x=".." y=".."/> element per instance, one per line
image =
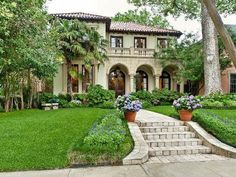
<point x="228" y="77"/>
<point x="131" y="65"/>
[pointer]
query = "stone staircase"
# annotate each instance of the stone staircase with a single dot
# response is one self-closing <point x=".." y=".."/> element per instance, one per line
<point x="171" y="138"/>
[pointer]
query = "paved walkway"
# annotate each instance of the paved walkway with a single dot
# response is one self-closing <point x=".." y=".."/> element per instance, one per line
<point x="187" y="169"/>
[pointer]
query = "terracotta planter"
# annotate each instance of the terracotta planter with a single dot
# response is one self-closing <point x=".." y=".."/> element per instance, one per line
<point x="130" y="116"/>
<point x="185" y="115"/>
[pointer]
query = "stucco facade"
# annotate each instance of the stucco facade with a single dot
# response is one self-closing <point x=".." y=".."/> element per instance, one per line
<point x="124" y="64"/>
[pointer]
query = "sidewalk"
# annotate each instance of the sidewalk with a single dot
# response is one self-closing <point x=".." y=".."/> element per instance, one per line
<point x="187" y="169"/>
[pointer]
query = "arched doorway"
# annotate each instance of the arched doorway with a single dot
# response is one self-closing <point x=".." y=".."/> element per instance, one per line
<point x="141" y="80"/>
<point x="116" y="81"/>
<point x="165" y="81"/>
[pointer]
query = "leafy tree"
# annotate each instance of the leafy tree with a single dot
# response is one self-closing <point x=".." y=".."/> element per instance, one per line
<point x="195" y="9"/>
<point x="143" y="17"/>
<point x="189" y="54"/>
<point x="78" y="41"/>
<point x="27" y="49"/>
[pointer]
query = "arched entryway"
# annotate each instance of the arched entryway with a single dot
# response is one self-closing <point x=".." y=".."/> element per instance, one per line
<point x="165" y="80"/>
<point x="141" y="80"/>
<point x="144" y="78"/>
<point x="116" y="80"/>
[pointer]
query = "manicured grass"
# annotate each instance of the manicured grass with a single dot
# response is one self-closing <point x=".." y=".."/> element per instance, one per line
<point x="36" y="139"/>
<point x="220" y="123"/>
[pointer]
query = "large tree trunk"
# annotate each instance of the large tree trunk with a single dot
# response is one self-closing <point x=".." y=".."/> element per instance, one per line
<point x="211" y="54"/>
<point x="219" y="25"/>
<point x="69" y="78"/>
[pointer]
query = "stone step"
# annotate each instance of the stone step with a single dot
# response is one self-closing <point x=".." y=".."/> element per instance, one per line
<point x="168" y="135"/>
<point x="154" y="124"/>
<point x="174" y="142"/>
<point x="181" y="150"/>
<point x="164" y="129"/>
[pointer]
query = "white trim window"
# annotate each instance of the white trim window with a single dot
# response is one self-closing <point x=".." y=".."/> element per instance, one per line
<point x="233" y="83"/>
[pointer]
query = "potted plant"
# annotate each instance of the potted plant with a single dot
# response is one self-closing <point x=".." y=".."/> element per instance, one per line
<point x="128" y="104"/>
<point x="185" y="106"/>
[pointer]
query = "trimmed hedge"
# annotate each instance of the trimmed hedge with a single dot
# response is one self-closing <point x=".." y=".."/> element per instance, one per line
<point x="222" y="128"/>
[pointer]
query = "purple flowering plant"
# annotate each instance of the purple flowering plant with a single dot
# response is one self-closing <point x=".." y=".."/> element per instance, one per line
<point x="187" y="103"/>
<point x="128" y="103"/>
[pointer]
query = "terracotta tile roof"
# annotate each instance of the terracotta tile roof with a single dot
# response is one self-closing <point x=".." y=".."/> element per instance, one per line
<point x="119" y="27"/>
<point x="137" y="28"/>
<point x="82" y="16"/>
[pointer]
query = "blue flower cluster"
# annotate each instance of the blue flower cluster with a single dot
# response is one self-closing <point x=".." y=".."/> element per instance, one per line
<point x="128" y="103"/>
<point x="187" y="103"/>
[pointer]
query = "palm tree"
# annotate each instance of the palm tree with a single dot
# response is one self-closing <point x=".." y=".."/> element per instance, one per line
<point x="78" y="41"/>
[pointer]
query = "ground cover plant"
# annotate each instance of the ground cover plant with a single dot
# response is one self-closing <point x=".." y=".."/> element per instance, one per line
<point x="108" y="142"/>
<point x="36" y="139"/>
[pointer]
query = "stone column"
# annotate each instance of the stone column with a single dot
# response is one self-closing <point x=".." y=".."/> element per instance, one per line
<point x="182" y="87"/>
<point x="132" y="83"/>
<point x="157" y="81"/>
<point x="95" y="74"/>
<point x="80" y="79"/>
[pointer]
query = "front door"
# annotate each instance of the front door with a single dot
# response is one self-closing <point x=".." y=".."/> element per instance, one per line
<point x="117" y="82"/>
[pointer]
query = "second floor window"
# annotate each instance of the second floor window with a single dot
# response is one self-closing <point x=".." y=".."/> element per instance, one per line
<point x="117" y="41"/>
<point x="140" y="42"/>
<point x="162" y="43"/>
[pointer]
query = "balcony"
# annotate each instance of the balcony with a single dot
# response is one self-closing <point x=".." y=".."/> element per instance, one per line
<point x="131" y="52"/>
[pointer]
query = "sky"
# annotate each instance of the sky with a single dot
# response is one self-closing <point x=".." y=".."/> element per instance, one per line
<point x="111" y="7"/>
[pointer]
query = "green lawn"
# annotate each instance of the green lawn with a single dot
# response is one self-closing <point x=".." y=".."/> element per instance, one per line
<point x="36" y="139"/>
<point x="221" y="123"/>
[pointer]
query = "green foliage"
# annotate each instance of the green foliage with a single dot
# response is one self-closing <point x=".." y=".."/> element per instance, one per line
<point x="107" y="105"/>
<point x="190" y="8"/>
<point x="81" y="97"/>
<point x="46" y="97"/>
<point x="143" y="17"/>
<point x="146" y="104"/>
<point x="220" y="127"/>
<point x="165" y="95"/>
<point x="107" y="135"/>
<point x="98" y="95"/>
<point x="143" y="95"/>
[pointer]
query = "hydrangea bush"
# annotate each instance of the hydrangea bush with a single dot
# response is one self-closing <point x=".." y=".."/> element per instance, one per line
<point x="128" y="103"/>
<point x="187" y="103"/>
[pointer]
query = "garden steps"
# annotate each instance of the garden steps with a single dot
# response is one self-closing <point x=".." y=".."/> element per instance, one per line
<point x="156" y="129"/>
<point x="174" y="142"/>
<point x="178" y="150"/>
<point x="168" y="135"/>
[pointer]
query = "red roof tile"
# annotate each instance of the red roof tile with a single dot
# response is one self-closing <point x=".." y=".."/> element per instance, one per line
<point x="137" y="28"/>
<point x="81" y="15"/>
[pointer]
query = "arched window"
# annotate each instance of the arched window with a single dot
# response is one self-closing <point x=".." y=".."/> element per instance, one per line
<point x="141" y="80"/>
<point x="116" y="81"/>
<point x="165" y="80"/>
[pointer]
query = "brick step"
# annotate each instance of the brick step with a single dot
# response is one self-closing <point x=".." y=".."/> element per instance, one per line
<point x="164" y="129"/>
<point x="186" y="158"/>
<point x="168" y="135"/>
<point x="180" y="150"/>
<point x="174" y="142"/>
<point x="154" y="124"/>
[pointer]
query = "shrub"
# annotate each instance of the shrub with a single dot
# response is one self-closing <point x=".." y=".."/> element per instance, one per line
<point x="81" y="97"/>
<point x="66" y="97"/>
<point x="107" y="105"/>
<point x="64" y="104"/>
<point x="107" y="135"/>
<point x="165" y="95"/>
<point x="146" y="104"/>
<point x="75" y="103"/>
<point x="223" y="129"/>
<point x="143" y="95"/>
<point x="212" y="104"/>
<point x="47" y="97"/>
<point x="97" y="95"/>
